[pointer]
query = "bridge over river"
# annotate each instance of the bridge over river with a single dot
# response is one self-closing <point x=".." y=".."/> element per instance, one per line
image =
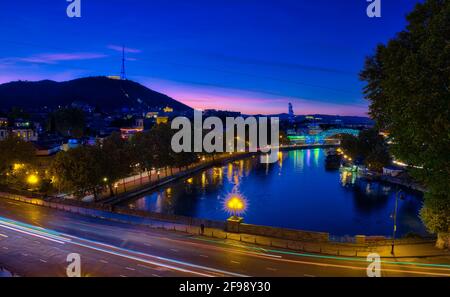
<point x="321" y="137"/>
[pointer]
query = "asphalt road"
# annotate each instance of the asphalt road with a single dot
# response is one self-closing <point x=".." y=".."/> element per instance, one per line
<point x="35" y="241"/>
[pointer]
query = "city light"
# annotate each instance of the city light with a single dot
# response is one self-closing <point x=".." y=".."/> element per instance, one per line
<point x="235" y="205"/>
<point x="32" y="179"/>
<point x="17" y="166"/>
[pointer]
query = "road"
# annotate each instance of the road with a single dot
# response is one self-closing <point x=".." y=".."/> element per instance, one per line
<point x="35" y="241"/>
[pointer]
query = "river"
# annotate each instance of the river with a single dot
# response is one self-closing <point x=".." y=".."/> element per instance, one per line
<point x="296" y="192"/>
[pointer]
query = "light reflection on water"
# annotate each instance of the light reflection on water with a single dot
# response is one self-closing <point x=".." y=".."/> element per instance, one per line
<point x="296" y="192"/>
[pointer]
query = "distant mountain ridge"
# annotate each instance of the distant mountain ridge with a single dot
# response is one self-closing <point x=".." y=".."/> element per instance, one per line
<point x="103" y="92"/>
<point x="329" y="118"/>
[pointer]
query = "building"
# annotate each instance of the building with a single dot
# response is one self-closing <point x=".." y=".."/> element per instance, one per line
<point x="291" y="115"/>
<point x="151" y="114"/>
<point x="128" y="132"/>
<point x="162" y="120"/>
<point x="314" y="129"/>
<point x="26" y="134"/>
<point x="47" y="149"/>
<point x="21" y="128"/>
<point x="168" y="109"/>
<point x="3" y="133"/>
<point x="3" y="122"/>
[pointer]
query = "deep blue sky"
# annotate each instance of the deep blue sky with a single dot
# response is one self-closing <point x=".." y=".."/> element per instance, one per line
<point x="247" y="55"/>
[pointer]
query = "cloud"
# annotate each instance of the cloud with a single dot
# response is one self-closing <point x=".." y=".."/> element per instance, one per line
<point x="119" y="48"/>
<point x="53" y="58"/>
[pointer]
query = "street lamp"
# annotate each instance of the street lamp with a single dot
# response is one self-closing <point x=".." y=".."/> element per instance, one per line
<point x="33" y="179"/>
<point x="235" y="205"/>
<point x="397" y="194"/>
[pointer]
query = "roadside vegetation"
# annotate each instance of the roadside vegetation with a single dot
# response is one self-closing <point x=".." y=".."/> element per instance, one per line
<point x="408" y="86"/>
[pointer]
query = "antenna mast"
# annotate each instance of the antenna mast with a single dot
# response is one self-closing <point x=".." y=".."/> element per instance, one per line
<point x="122" y="72"/>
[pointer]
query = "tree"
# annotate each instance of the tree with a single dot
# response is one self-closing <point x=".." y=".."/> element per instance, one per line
<point x="79" y="170"/>
<point x="69" y="122"/>
<point x="369" y="146"/>
<point x="160" y="143"/>
<point x="408" y="86"/>
<point x="349" y="144"/>
<point x="435" y="214"/>
<point x="142" y="151"/>
<point x="14" y="150"/>
<point x="116" y="159"/>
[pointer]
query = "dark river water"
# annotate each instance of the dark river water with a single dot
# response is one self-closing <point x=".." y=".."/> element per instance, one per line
<point x="296" y="192"/>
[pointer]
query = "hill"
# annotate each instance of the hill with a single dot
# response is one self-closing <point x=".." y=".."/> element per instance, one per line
<point x="105" y="93"/>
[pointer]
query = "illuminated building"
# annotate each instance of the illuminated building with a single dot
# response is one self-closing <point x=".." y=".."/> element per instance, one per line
<point x="162" y="120"/>
<point x="3" y="122"/>
<point x="115" y="77"/>
<point x="291" y="113"/>
<point x="3" y="133"/>
<point x="26" y="134"/>
<point x="23" y="129"/>
<point x="168" y="109"/>
<point x="128" y="132"/>
<point x="151" y="114"/>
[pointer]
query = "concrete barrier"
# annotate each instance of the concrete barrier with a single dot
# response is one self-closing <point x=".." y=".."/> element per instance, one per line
<point x="234" y="236"/>
<point x="280" y="243"/>
<point x="219" y="234"/>
<point x="262" y="240"/>
<point x="295" y="245"/>
<point x="360" y="239"/>
<point x="282" y="233"/>
<point x="248" y="238"/>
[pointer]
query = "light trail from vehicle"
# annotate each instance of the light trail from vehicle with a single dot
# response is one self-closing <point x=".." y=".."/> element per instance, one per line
<point x="62" y="238"/>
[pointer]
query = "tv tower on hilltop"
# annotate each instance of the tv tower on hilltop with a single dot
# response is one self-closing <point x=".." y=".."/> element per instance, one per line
<point x="122" y="72"/>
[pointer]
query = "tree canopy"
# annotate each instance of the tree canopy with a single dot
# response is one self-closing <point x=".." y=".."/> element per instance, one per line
<point x="14" y="150"/>
<point x="69" y="122"/>
<point x="369" y="146"/>
<point x="407" y="84"/>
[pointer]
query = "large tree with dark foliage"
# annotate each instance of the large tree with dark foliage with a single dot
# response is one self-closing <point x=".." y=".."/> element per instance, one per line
<point x="369" y="146"/>
<point x="79" y="170"/>
<point x="68" y="122"/>
<point x="116" y="159"/>
<point x="14" y="150"/>
<point x="408" y="85"/>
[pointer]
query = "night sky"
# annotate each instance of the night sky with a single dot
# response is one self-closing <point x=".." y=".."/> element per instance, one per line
<point x="252" y="56"/>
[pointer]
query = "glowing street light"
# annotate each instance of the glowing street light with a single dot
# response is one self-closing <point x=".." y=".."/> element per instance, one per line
<point x="32" y="179"/>
<point x="235" y="205"/>
<point x="17" y="166"/>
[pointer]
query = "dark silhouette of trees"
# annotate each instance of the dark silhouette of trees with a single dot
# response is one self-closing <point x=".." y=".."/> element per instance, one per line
<point x="369" y="146"/>
<point x="408" y="86"/>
